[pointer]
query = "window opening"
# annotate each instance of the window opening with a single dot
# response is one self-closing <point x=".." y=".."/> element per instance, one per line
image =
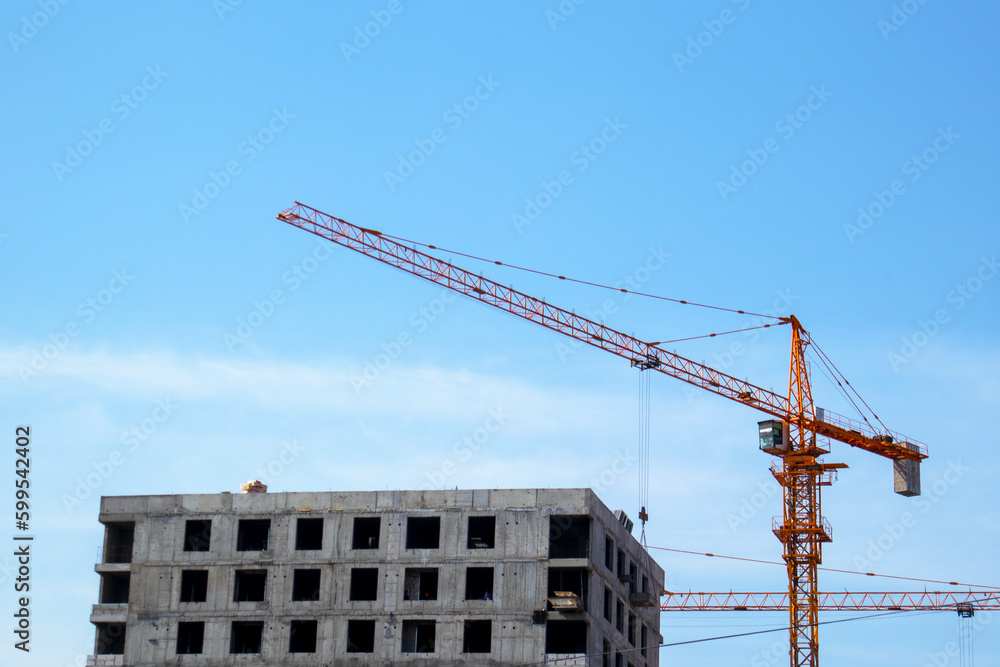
<point x="477" y="637"/>
<point x="569" y="536"/>
<point x="567" y="588"/>
<point x="119" y="538"/>
<point x="366" y="530"/>
<point x="246" y="636"/>
<point x="364" y="583"/>
<point x="479" y="583"/>
<point x="253" y="534"/>
<point x="197" y="535"/>
<point x="194" y="585"/>
<point x="110" y="639"/>
<point x="190" y="637"/>
<point x="302" y="637"/>
<point x="418" y="637"/>
<point x="423" y="532"/>
<point x="361" y="636"/>
<point x="115" y="587"/>
<point x="305" y="585"/>
<point x="309" y="535"/>
<point x="250" y="585"/>
<point x="420" y="583"/>
<point x="482" y="532"/>
<point x="566" y="637"/>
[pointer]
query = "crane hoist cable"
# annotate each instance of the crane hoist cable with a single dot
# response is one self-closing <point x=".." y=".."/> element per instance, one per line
<point x="966" y="634"/>
<point x="644" y="429"/>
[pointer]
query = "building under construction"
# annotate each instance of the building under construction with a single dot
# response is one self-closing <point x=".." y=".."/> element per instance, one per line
<point x="475" y="577"/>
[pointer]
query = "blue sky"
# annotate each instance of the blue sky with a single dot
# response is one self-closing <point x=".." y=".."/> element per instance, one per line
<point x="835" y="161"/>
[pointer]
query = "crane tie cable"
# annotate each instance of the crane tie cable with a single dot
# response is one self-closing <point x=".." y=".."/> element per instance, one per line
<point x="713" y="335"/>
<point x="829" y="361"/>
<point x="575" y="280"/>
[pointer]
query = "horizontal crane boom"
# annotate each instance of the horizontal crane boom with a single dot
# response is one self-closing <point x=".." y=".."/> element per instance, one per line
<point x="867" y="601"/>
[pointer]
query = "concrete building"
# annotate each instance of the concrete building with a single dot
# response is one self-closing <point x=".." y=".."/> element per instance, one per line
<point x="476" y="577"/>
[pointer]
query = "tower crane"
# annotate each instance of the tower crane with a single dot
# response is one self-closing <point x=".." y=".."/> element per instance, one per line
<point x="791" y="436"/>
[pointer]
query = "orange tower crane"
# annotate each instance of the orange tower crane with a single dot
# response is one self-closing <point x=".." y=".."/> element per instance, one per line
<point x="790" y="436"/>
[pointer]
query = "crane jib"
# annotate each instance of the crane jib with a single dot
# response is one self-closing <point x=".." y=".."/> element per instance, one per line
<point x="373" y="243"/>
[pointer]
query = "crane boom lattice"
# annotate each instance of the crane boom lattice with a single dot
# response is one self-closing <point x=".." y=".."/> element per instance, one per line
<point x="864" y="601"/>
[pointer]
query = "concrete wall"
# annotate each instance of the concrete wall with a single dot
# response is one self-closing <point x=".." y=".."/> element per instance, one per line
<point x="520" y="560"/>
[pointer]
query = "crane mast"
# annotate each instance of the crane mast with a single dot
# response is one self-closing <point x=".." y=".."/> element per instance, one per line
<point x="791" y="436"/>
